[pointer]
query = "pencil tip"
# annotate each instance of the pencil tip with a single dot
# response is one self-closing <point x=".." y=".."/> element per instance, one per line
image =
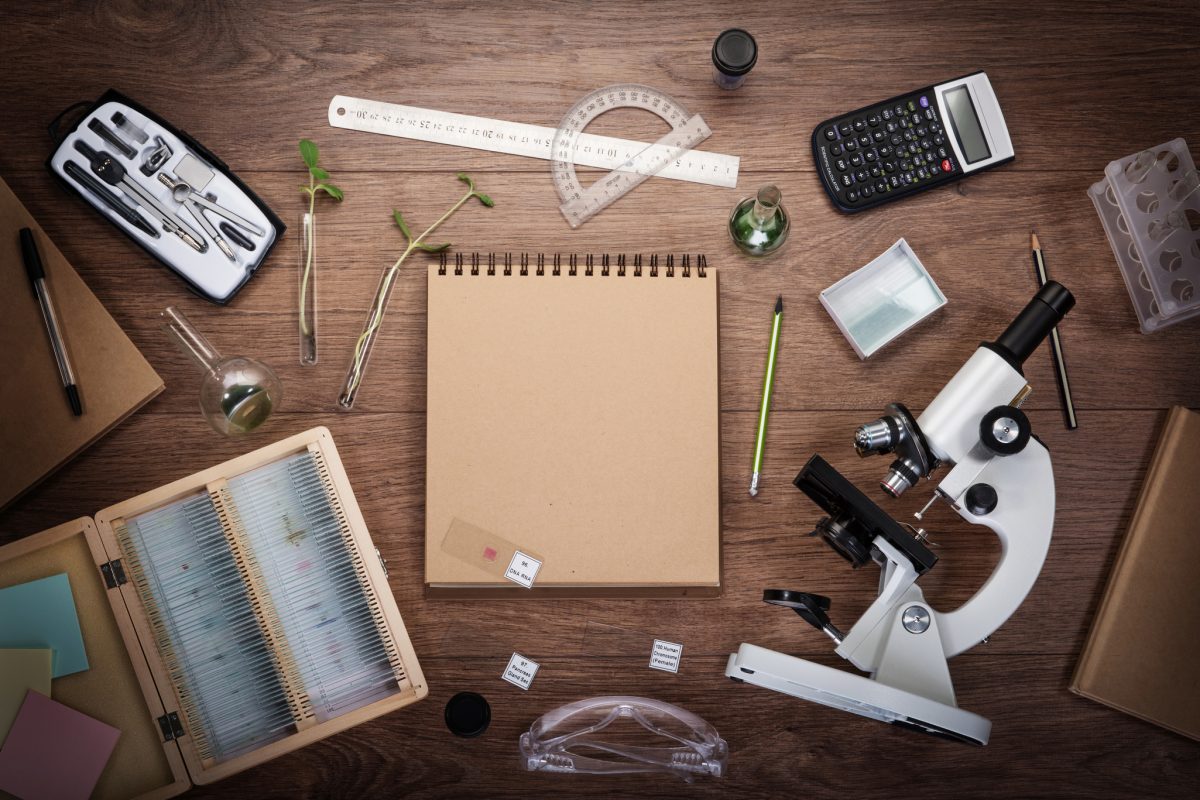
<point x="1033" y="241"/>
<point x="779" y="305"/>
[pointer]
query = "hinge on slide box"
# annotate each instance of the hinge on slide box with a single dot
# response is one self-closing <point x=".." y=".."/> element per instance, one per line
<point x="382" y="561"/>
<point x="113" y="572"/>
<point x="171" y="727"/>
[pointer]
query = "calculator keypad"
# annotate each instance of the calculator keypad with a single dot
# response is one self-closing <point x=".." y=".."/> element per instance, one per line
<point x="884" y="152"/>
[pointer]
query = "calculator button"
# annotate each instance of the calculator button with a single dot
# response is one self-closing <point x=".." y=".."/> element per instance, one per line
<point x="852" y="196"/>
<point x="859" y="124"/>
<point x="941" y="151"/>
<point x="924" y="101"/>
<point x="921" y="130"/>
<point x="912" y="106"/>
<point x="847" y="180"/>
<point x="870" y="155"/>
<point x="840" y="164"/>
<point x="930" y="114"/>
<point x="850" y="145"/>
<point x="922" y="173"/>
<point x="926" y="144"/>
<point x="877" y="135"/>
<point x="886" y="114"/>
<point x="844" y="129"/>
<point x="892" y="126"/>
<point x="906" y="165"/>
<point x="939" y="140"/>
<point x="914" y="148"/>
<point x="868" y="190"/>
<point x="935" y="126"/>
<point x="946" y="165"/>
<point x="889" y="166"/>
<point x="835" y="149"/>
<point x="865" y="140"/>
<point x="894" y="181"/>
<point x="899" y="111"/>
<point x="861" y="175"/>
<point x="830" y="134"/>
<point x="896" y="139"/>
<point x="881" y="185"/>
<point x="885" y="151"/>
<point x="908" y="178"/>
<point x="909" y="136"/>
<point x="856" y="160"/>
<point x="875" y="171"/>
<point x="873" y="120"/>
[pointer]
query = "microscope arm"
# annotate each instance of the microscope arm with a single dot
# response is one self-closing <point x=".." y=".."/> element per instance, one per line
<point x="1023" y="520"/>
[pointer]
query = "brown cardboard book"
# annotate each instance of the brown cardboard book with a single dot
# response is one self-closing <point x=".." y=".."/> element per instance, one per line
<point x="1142" y="652"/>
<point x="573" y="418"/>
<point x="228" y="617"/>
<point x="113" y="378"/>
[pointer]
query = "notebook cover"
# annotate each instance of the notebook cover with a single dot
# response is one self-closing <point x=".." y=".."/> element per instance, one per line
<point x="573" y="418"/>
<point x="113" y="377"/>
<point x="1141" y="654"/>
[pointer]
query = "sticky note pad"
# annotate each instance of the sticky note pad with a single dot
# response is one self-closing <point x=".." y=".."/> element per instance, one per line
<point x="41" y="614"/>
<point x="54" y="752"/>
<point x="20" y="671"/>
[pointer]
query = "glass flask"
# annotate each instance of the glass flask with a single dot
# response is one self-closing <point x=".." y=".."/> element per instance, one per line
<point x="759" y="225"/>
<point x="237" y="394"/>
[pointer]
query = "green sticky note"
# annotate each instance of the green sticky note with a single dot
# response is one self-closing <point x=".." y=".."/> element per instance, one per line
<point x="20" y="671"/>
<point x="41" y="614"/>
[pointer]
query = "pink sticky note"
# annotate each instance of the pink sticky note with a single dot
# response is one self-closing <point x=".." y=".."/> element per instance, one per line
<point x="53" y="752"/>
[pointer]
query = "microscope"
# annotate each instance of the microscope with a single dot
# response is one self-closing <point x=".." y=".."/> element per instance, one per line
<point x="999" y="477"/>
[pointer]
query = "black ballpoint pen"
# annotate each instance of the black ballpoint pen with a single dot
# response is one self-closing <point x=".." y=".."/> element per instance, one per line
<point x="1060" y="363"/>
<point x="37" y="276"/>
<point x="109" y="199"/>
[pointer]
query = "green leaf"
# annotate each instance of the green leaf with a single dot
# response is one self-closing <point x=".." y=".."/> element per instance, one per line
<point x="465" y="178"/>
<point x="433" y="248"/>
<point x="487" y="201"/>
<point x="331" y="190"/>
<point x="403" y="227"/>
<point x="319" y="173"/>
<point x="308" y="151"/>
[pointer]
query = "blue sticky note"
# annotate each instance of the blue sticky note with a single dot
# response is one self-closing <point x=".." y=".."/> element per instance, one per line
<point x="41" y="613"/>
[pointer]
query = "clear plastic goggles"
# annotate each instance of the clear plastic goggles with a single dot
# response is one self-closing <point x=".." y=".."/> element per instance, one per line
<point x="615" y="735"/>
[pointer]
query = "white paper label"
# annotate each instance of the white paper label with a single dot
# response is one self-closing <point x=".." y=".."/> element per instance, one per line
<point x="522" y="569"/>
<point x="520" y="671"/>
<point x="666" y="656"/>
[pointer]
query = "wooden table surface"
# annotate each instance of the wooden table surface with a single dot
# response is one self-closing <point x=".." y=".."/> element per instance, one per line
<point x="1080" y="85"/>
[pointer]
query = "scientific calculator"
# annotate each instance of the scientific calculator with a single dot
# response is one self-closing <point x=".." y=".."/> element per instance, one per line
<point x="910" y="143"/>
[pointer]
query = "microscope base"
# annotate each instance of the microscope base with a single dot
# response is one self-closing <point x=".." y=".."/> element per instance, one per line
<point x="854" y="693"/>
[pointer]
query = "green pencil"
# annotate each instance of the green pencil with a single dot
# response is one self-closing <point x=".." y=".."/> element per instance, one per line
<point x="766" y="397"/>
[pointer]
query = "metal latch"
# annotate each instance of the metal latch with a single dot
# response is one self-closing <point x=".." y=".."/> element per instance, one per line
<point x="114" y="573"/>
<point x="171" y="727"/>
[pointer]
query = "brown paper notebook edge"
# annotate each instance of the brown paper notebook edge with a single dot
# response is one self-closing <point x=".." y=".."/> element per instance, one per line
<point x="59" y="272"/>
<point x="1082" y="681"/>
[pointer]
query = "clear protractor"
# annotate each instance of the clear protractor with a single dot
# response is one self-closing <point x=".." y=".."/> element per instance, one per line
<point x="580" y="204"/>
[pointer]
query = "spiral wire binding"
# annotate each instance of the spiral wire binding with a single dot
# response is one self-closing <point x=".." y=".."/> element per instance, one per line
<point x="474" y="264"/>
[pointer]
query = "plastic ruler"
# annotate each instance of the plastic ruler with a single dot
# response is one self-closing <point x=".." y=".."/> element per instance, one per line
<point x="519" y="139"/>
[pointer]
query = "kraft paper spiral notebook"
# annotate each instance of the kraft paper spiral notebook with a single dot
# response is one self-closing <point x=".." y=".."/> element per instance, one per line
<point x="573" y="438"/>
<point x="114" y="379"/>
<point x="1141" y="654"/>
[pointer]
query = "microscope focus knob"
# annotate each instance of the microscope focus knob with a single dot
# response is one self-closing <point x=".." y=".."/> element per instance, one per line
<point x="1005" y="430"/>
<point x="981" y="499"/>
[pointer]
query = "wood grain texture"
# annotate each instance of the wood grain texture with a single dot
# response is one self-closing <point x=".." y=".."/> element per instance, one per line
<point x="250" y="79"/>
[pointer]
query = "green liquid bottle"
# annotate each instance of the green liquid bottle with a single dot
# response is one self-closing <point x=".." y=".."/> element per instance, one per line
<point x="237" y="394"/>
<point x="759" y="225"/>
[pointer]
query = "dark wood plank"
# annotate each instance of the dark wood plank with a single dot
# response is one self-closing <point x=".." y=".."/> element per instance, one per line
<point x="1080" y="85"/>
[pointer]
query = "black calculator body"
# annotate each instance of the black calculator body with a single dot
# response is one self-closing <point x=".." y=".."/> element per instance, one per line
<point x="910" y="143"/>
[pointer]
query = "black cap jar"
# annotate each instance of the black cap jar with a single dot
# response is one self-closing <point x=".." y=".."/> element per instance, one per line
<point x="733" y="55"/>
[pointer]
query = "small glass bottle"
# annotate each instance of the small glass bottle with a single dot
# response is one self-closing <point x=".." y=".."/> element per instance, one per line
<point x="759" y="225"/>
<point x="237" y="394"/>
<point x="307" y="324"/>
<point x="734" y="54"/>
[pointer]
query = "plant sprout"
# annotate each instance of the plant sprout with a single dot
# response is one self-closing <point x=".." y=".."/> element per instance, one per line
<point x="318" y="181"/>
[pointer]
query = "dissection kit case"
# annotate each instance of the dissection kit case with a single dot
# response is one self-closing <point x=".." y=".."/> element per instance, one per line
<point x="193" y="213"/>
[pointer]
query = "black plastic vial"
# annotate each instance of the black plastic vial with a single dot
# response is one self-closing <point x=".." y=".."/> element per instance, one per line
<point x="734" y="54"/>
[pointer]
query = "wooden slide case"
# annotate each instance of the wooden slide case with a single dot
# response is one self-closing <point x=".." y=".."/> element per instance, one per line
<point x="156" y="757"/>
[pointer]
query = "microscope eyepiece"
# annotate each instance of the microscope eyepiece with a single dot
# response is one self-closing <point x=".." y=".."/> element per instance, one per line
<point x="1034" y="323"/>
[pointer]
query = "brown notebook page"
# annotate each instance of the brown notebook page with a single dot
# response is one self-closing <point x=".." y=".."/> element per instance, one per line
<point x="113" y="377"/>
<point x="575" y="417"/>
<point x="1142" y="652"/>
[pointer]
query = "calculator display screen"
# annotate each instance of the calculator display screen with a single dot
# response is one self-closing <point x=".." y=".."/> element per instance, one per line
<point x="966" y="124"/>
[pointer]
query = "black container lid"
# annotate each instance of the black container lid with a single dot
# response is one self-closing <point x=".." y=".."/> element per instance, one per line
<point x="468" y="714"/>
<point x="735" y="52"/>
